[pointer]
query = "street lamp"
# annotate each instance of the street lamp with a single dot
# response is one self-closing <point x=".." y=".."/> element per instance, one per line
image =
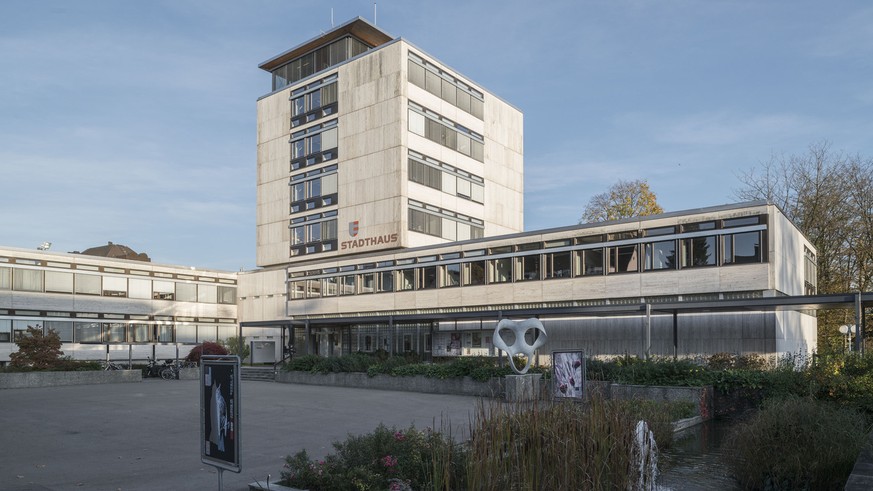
<point x="847" y="331"/>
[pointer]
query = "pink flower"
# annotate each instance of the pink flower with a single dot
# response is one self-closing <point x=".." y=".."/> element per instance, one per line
<point x="399" y="436"/>
<point x="389" y="461"/>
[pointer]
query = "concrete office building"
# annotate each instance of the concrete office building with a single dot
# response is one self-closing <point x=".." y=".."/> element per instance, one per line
<point x="117" y="308"/>
<point x="389" y="217"/>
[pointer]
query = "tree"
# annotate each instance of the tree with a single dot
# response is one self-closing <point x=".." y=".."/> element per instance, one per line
<point x="37" y="350"/>
<point x="232" y="345"/>
<point x="625" y="199"/>
<point x="829" y="197"/>
<point x="205" y="348"/>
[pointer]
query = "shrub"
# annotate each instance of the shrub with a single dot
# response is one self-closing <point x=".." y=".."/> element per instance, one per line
<point x="205" y="348"/>
<point x="232" y="345"/>
<point x="37" y="350"/>
<point x="387" y="458"/>
<point x="796" y="443"/>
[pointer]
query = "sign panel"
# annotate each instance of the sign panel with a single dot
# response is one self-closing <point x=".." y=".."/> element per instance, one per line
<point x="568" y="374"/>
<point x="219" y="412"/>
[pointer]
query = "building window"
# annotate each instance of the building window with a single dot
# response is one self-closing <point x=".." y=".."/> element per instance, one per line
<point x="28" y="280"/>
<point x="316" y="61"/>
<point x="661" y="255"/>
<point x="529" y="268"/>
<point x="449" y="179"/>
<point x="114" y="286"/>
<point x="810" y="272"/>
<point x="699" y="251"/>
<point x="88" y="332"/>
<point x="443" y="85"/>
<point x="347" y="285"/>
<point x="386" y="281"/>
<point x="591" y="262"/>
<point x="424" y="122"/>
<point x="558" y="265"/>
<point x="5" y="278"/>
<point x="452" y="275"/>
<point x="623" y="259"/>
<point x="474" y="273"/>
<point x="405" y="279"/>
<point x="164" y="290"/>
<point x="116" y="333"/>
<point x="742" y="248"/>
<point x="141" y="333"/>
<point x="439" y="222"/>
<point x="58" y="282"/>
<point x="314" y="104"/>
<point x="88" y="284"/>
<point x="427" y="277"/>
<point x="500" y="270"/>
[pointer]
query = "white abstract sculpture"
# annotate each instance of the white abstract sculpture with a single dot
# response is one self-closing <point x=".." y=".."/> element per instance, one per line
<point x="520" y="346"/>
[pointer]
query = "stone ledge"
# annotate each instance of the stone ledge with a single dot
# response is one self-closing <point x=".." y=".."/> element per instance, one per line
<point x="458" y="386"/>
<point x="271" y="486"/>
<point x="22" y="380"/>
<point x="861" y="477"/>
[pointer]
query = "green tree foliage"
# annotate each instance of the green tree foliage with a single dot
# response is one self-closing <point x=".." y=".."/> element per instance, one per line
<point x="829" y="197"/>
<point x="625" y="199"/>
<point x="232" y="345"/>
<point x="37" y="350"/>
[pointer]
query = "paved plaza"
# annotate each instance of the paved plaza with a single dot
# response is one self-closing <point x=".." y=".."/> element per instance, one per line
<point x="145" y="436"/>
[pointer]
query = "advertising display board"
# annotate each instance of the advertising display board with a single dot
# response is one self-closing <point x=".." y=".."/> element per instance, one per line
<point x="219" y="412"/>
<point x="568" y="374"/>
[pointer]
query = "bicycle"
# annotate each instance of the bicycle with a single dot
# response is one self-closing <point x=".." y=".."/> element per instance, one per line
<point x="111" y="365"/>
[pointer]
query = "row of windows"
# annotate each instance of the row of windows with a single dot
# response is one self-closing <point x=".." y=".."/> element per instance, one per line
<point x="691" y="228"/>
<point x="314" y="140"/>
<point x="46" y="281"/>
<point x="439" y="222"/>
<point x="444" y="177"/>
<point x="426" y="123"/>
<point x="450" y="89"/>
<point x="692" y="252"/>
<point x="113" y="270"/>
<point x="314" y="189"/>
<point x="314" y="104"/>
<point x="321" y="59"/>
<point x="116" y="332"/>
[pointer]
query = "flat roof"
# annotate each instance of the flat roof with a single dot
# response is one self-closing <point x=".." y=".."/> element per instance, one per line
<point x="356" y="27"/>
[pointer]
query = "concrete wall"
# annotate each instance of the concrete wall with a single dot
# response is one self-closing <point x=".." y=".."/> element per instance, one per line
<point x="54" y="379"/>
<point x="459" y="386"/>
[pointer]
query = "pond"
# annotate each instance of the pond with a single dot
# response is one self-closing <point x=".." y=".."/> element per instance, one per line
<point x="696" y="459"/>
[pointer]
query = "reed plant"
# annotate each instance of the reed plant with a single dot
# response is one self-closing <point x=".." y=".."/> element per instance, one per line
<point x="544" y="445"/>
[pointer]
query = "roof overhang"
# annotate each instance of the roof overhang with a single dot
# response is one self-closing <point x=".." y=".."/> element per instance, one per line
<point x="358" y="27"/>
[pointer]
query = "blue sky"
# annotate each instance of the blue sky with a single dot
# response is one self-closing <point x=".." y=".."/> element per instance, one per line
<point x="134" y="122"/>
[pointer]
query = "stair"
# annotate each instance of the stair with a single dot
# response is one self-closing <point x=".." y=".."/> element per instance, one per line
<point x="263" y="374"/>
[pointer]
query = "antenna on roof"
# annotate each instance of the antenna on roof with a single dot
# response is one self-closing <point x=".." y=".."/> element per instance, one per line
<point x="374" y="14"/>
<point x="331" y="17"/>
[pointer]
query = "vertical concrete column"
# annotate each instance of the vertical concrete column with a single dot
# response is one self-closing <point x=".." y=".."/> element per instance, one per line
<point x="307" y="338"/>
<point x="859" y="324"/>
<point x="675" y="334"/>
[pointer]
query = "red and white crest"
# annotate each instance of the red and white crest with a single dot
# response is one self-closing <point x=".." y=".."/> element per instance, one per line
<point x="353" y="228"/>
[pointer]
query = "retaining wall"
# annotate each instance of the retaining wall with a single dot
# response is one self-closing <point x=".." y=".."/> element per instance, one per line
<point x="417" y="383"/>
<point x="702" y="396"/>
<point x="54" y="379"/>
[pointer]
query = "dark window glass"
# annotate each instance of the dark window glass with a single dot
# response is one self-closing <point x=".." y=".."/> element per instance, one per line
<point x="558" y="265"/>
<point x="592" y="262"/>
<point x="428" y="277"/>
<point x="661" y="255"/>
<point x="747" y="248"/>
<point x="623" y="259"/>
<point x="530" y="267"/>
<point x="453" y="275"/>
<point x="699" y="251"/>
<point x="475" y="273"/>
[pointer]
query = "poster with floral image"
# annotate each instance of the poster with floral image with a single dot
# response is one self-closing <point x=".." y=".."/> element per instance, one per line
<point x="568" y="374"/>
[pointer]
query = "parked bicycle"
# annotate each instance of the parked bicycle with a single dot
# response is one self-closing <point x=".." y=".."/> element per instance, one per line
<point x="111" y="365"/>
<point x="166" y="370"/>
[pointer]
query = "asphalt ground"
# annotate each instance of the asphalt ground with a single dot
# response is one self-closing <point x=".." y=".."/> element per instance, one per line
<point x="146" y="436"/>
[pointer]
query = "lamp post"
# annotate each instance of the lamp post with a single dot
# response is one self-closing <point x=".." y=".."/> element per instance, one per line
<point x="846" y="330"/>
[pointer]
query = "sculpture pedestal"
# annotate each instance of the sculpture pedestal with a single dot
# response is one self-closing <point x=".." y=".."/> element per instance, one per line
<point x="523" y="388"/>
